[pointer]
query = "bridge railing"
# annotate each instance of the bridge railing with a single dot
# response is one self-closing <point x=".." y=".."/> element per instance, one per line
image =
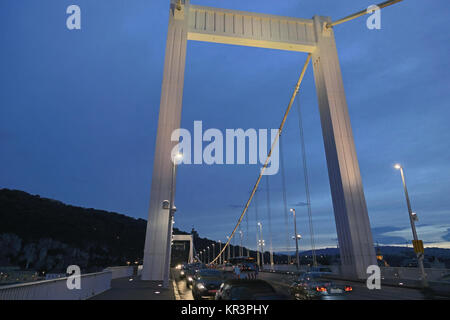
<point x="121" y="271"/>
<point x="394" y="274"/>
<point x="403" y="273"/>
<point x="56" y="289"/>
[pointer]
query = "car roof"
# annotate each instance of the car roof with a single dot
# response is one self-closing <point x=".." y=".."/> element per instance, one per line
<point x="209" y="271"/>
<point x="246" y="281"/>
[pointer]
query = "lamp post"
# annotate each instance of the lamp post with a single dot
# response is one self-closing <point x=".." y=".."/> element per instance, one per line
<point x="261" y="244"/>
<point x="213" y="250"/>
<point x="228" y="253"/>
<point x="209" y="258"/>
<point x="220" y="252"/>
<point x="233" y="252"/>
<point x="296" y="238"/>
<point x="412" y="218"/>
<point x="175" y="160"/>
<point x="241" y="249"/>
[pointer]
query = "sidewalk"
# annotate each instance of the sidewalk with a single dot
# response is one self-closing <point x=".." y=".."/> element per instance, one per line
<point x="132" y="288"/>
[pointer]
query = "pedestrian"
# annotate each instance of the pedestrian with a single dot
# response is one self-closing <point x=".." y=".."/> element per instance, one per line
<point x="237" y="271"/>
<point x="256" y="271"/>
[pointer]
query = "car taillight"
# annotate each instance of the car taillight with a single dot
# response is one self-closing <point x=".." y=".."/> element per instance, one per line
<point x="321" y="289"/>
<point x="348" y="289"/>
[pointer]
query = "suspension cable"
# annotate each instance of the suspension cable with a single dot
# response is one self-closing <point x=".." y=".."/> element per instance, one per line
<point x="305" y="175"/>
<point x="246" y="236"/>
<point x="283" y="185"/>
<point x="269" y="214"/>
<point x="294" y="94"/>
<point x="258" y="258"/>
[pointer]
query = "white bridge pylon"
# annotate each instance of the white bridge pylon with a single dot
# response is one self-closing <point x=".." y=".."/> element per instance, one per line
<point x="191" y="22"/>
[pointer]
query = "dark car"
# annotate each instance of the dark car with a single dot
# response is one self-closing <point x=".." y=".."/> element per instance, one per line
<point x="315" y="286"/>
<point x="238" y="289"/>
<point x="206" y="283"/>
<point x="182" y="269"/>
<point x="190" y="271"/>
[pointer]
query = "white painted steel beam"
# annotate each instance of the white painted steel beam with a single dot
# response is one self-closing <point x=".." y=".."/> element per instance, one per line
<point x="350" y="210"/>
<point x="169" y="119"/>
<point x="250" y="29"/>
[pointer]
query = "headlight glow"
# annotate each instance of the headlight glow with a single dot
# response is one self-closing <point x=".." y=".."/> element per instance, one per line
<point x="200" y="286"/>
<point x="190" y="278"/>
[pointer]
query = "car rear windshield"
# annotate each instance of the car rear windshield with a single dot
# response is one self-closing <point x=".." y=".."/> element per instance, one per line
<point x="209" y="273"/>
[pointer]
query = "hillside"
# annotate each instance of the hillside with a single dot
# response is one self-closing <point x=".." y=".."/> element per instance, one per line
<point x="44" y="234"/>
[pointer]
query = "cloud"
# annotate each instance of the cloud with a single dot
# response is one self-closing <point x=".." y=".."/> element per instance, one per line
<point x="381" y="235"/>
<point x="447" y="235"/>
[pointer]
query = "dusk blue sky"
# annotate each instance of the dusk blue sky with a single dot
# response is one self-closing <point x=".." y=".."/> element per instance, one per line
<point x="79" y="110"/>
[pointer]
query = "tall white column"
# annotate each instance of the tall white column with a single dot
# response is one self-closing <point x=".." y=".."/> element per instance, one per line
<point x="191" y="250"/>
<point x="169" y="120"/>
<point x="350" y="209"/>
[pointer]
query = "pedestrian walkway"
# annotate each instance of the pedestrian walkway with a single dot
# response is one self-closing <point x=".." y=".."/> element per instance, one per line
<point x="132" y="288"/>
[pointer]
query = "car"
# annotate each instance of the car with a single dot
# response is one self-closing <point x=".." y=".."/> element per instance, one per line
<point x="182" y="271"/>
<point x="239" y="289"/>
<point x="190" y="271"/>
<point x="314" y="286"/>
<point x="206" y="283"/>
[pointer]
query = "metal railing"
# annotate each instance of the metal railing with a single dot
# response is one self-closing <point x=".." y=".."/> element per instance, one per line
<point x="57" y="289"/>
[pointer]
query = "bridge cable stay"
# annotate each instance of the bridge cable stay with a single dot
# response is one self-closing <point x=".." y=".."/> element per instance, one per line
<point x="270" y="222"/>
<point x="241" y="247"/>
<point x="258" y="254"/>
<point x="275" y="140"/>
<point x="246" y="236"/>
<point x="283" y="186"/>
<point x="306" y="179"/>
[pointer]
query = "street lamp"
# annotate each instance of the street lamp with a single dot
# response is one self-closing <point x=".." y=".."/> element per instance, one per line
<point x="213" y="250"/>
<point x="233" y="251"/>
<point x="241" y="249"/>
<point x="209" y="259"/>
<point x="177" y="158"/>
<point x="261" y="244"/>
<point x="412" y="218"/>
<point x="296" y="238"/>
<point x="228" y="239"/>
<point x="220" y="252"/>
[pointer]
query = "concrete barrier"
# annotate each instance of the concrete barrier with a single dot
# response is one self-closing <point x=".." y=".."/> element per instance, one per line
<point x="120" y="272"/>
<point x="56" y="289"/>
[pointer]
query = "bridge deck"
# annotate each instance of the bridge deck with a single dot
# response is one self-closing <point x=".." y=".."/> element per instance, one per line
<point x="136" y="289"/>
